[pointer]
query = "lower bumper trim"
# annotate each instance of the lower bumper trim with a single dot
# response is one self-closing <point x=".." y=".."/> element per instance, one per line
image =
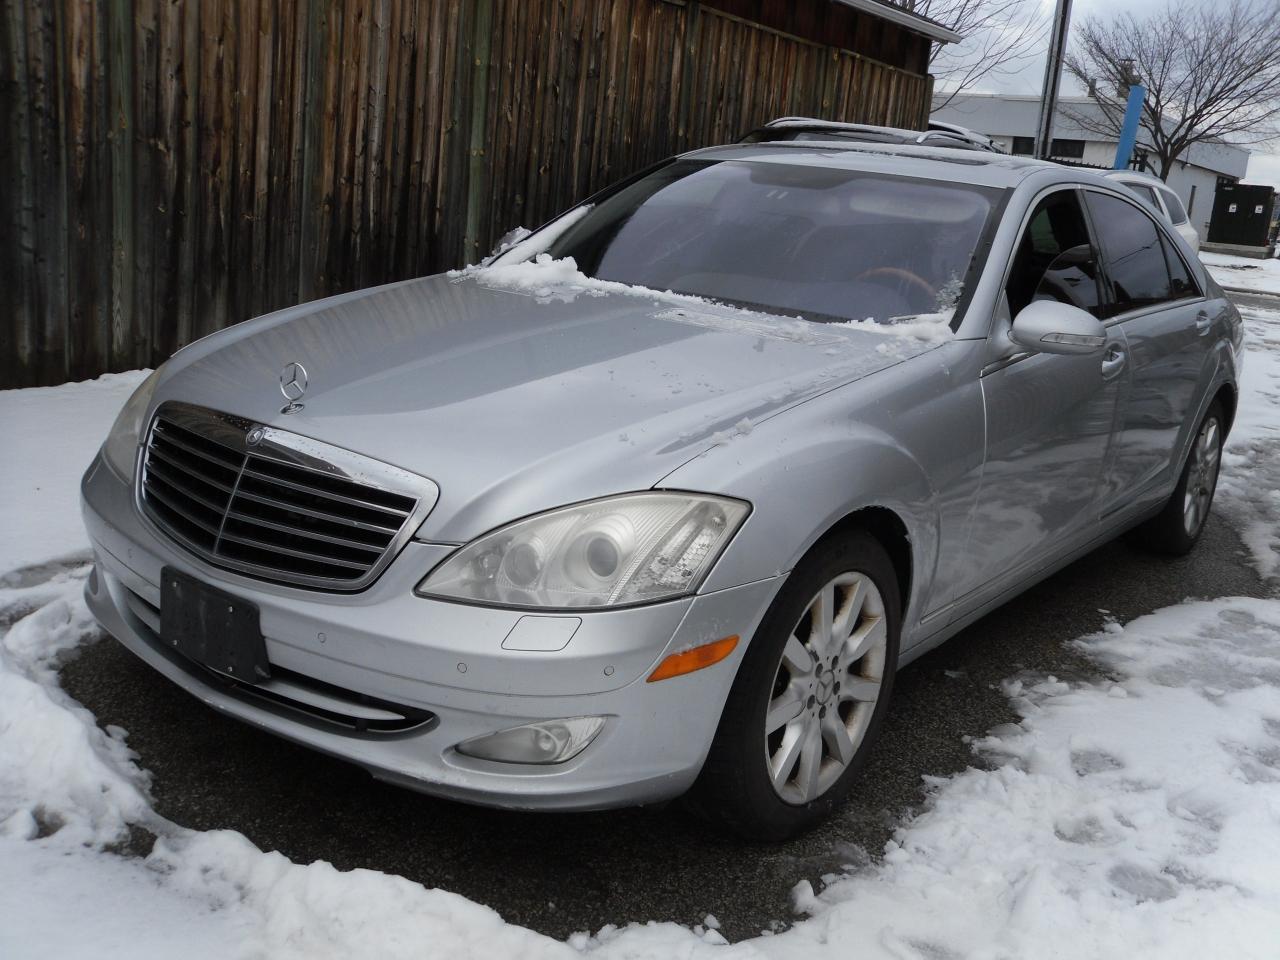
<point x="301" y="698"/>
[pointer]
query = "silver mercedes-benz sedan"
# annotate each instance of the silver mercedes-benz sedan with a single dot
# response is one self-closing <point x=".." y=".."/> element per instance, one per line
<point x="657" y="500"/>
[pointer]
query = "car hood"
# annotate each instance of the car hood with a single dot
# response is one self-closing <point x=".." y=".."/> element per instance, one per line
<point x="514" y="401"/>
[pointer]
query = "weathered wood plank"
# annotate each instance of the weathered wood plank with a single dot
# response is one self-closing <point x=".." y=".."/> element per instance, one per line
<point x="17" y="206"/>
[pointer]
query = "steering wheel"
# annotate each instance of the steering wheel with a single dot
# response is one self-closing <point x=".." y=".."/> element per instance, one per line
<point x="901" y="273"/>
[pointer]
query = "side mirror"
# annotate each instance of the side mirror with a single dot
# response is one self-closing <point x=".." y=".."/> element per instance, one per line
<point x="1049" y="326"/>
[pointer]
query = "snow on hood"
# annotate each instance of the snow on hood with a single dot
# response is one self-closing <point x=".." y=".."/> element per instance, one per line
<point x="550" y="281"/>
<point x="511" y="386"/>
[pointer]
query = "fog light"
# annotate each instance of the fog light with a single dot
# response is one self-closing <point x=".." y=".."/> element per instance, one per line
<point x="546" y="741"/>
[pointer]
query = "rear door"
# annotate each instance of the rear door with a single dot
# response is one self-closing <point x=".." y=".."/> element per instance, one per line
<point x="1153" y="300"/>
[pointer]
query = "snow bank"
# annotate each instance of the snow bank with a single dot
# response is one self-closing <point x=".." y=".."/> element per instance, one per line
<point x="1249" y="487"/>
<point x="59" y="902"/>
<point x="1127" y="818"/>
<point x="58" y="770"/>
<point x="1243" y="273"/>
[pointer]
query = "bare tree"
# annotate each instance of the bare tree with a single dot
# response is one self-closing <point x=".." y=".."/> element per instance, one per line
<point x="1211" y="72"/>
<point x="1000" y="36"/>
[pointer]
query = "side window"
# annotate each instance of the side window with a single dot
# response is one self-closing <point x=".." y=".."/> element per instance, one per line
<point x="1133" y="253"/>
<point x="1177" y="213"/>
<point x="1181" y="283"/>
<point x="1145" y="192"/>
<point x="1055" y="260"/>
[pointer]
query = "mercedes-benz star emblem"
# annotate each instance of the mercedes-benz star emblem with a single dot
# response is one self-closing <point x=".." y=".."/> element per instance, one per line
<point x="293" y="381"/>
<point x="254" y="436"/>
<point x="293" y="384"/>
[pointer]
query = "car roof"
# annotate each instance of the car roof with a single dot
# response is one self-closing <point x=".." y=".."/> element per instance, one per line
<point x="811" y="128"/>
<point x="973" y="167"/>
<point x="1139" y="176"/>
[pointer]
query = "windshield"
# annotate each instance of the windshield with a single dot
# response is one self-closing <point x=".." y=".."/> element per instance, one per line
<point x="824" y="244"/>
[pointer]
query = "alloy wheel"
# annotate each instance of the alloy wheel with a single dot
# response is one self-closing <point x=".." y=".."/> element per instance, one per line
<point x="1202" y="476"/>
<point x="826" y="688"/>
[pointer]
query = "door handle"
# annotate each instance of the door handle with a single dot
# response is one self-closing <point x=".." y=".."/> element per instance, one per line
<point x="1203" y="322"/>
<point x="1113" y="362"/>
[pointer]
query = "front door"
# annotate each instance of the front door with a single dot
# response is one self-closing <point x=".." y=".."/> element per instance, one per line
<point x="1049" y="419"/>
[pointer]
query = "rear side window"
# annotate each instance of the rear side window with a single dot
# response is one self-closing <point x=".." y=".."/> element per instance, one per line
<point x="1132" y="252"/>
<point x="1145" y="192"/>
<point x="1182" y="285"/>
<point x="1177" y="213"/>
<point x="1055" y="260"/>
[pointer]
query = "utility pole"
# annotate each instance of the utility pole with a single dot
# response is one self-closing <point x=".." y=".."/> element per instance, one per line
<point x="1052" y="76"/>
<point x="1129" y="130"/>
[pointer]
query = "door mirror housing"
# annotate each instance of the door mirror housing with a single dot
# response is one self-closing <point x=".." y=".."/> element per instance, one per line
<point x="1048" y="326"/>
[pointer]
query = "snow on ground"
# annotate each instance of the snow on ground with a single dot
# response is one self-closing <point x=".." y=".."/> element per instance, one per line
<point x="1249" y="488"/>
<point x="1133" y="816"/>
<point x="1243" y="273"/>
<point x="42" y="431"/>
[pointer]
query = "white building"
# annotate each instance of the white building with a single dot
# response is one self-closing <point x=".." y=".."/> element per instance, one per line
<point x="1010" y="120"/>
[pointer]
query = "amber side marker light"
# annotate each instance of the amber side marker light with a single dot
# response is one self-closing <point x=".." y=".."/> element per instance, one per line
<point x="688" y="661"/>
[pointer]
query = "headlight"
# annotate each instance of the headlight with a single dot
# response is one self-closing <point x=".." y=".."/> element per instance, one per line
<point x="624" y="550"/>
<point x="122" y="442"/>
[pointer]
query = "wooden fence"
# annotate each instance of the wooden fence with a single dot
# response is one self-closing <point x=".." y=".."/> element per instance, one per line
<point x="173" y="166"/>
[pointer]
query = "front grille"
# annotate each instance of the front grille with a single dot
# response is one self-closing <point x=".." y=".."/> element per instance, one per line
<point x="282" y="508"/>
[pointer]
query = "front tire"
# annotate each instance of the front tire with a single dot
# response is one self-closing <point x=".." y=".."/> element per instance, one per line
<point x="810" y="696"/>
<point x="1177" y="528"/>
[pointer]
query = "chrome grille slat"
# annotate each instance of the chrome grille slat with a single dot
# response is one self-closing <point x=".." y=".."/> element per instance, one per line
<point x="315" y="492"/>
<point x="171" y="503"/>
<point x="179" y="465"/>
<point x="275" y="509"/>
<point x="308" y="512"/>
<point x="322" y="481"/>
<point x="290" y="552"/>
<point x="182" y="486"/>
<point x="298" y="532"/>
<point x="231" y="463"/>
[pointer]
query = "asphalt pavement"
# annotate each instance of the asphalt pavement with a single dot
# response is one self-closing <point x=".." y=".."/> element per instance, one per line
<point x="560" y="873"/>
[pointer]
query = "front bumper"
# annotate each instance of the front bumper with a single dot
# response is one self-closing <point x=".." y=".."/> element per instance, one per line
<point x="433" y="674"/>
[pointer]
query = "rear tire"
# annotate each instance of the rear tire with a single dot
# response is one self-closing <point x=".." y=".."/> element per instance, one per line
<point x="1176" y="528"/>
<point x="810" y="696"/>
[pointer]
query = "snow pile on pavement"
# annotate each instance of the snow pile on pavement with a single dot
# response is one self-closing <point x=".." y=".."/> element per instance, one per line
<point x="1128" y="819"/>
<point x="59" y="772"/>
<point x="1243" y="273"/>
<point x="1249" y="487"/>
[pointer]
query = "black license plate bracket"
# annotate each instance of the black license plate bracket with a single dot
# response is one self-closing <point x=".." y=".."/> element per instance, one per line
<point x="212" y="627"/>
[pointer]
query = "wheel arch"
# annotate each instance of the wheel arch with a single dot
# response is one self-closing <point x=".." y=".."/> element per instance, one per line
<point x="1227" y="397"/>
<point x="891" y="532"/>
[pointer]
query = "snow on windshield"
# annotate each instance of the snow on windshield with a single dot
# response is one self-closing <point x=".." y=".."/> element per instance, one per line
<point x="548" y="280"/>
<point x="830" y="245"/>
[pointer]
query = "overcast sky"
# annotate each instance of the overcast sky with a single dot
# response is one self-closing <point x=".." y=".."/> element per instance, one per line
<point x="1264" y="162"/>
